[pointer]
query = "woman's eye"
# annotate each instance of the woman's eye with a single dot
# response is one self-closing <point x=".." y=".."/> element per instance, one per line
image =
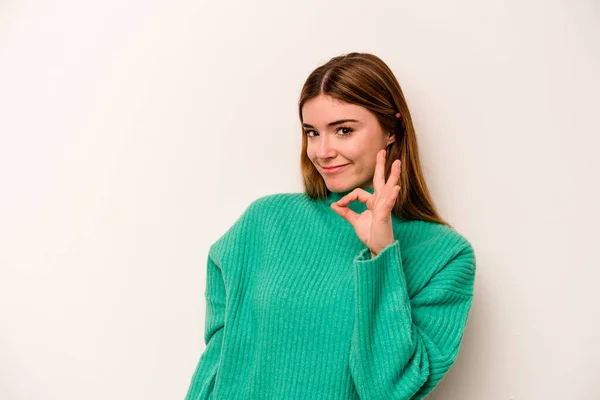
<point x="348" y="129"/>
<point x="346" y="133"/>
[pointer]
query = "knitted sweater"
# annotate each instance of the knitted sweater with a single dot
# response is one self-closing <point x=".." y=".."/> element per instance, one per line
<point x="297" y="308"/>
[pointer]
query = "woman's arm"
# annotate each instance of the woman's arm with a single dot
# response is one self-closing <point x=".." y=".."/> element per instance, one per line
<point x="202" y="381"/>
<point x="401" y="347"/>
<point x="223" y="254"/>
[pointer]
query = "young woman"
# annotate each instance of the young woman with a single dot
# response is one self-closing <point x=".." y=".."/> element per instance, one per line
<point x="353" y="289"/>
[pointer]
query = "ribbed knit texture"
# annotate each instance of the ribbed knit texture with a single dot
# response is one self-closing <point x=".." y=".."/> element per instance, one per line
<point x="296" y="307"/>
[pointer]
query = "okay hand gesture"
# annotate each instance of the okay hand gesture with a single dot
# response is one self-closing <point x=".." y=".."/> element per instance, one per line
<point x="374" y="226"/>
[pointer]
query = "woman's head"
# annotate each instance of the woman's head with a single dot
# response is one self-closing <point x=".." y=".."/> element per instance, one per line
<point x="339" y="133"/>
<point x="361" y="88"/>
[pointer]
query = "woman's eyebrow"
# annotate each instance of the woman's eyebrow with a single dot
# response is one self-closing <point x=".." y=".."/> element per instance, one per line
<point x="338" y="122"/>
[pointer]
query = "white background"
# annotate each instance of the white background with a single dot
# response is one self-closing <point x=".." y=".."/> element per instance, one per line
<point x="133" y="134"/>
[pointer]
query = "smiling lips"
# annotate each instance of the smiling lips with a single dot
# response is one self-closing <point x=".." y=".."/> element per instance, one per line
<point x="333" y="170"/>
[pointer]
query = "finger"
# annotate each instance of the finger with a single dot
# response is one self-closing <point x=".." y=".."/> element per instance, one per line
<point x="390" y="187"/>
<point x="357" y="194"/>
<point x="346" y="213"/>
<point x="379" y="175"/>
<point x="385" y="204"/>
<point x="394" y="175"/>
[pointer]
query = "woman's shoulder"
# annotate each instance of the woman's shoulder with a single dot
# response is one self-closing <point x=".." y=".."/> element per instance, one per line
<point x="259" y="216"/>
<point x="276" y="202"/>
<point x="419" y="235"/>
<point x="251" y="224"/>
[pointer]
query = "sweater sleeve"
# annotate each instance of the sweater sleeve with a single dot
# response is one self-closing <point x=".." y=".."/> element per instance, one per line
<point x="224" y="254"/>
<point x="204" y="376"/>
<point x="402" y="347"/>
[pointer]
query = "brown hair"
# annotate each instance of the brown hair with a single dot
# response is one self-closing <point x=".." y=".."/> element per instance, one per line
<point x="364" y="79"/>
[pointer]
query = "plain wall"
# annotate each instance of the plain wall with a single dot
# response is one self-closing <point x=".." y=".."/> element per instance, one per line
<point x="133" y="134"/>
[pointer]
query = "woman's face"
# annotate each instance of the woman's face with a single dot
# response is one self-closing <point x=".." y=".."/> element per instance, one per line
<point x="333" y="143"/>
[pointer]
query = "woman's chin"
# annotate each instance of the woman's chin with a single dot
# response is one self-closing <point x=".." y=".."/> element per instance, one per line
<point x="338" y="186"/>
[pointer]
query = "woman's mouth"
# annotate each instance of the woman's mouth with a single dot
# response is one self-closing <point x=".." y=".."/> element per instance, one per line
<point x="334" y="170"/>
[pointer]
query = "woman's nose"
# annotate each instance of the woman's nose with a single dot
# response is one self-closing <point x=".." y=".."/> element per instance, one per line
<point x="325" y="149"/>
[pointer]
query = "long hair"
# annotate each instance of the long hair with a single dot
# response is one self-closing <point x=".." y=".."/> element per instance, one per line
<point x="365" y="80"/>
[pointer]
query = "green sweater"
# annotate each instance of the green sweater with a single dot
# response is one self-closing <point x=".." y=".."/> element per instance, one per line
<point x="296" y="307"/>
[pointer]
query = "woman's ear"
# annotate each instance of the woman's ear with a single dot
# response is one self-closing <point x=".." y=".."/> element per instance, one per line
<point x="391" y="139"/>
